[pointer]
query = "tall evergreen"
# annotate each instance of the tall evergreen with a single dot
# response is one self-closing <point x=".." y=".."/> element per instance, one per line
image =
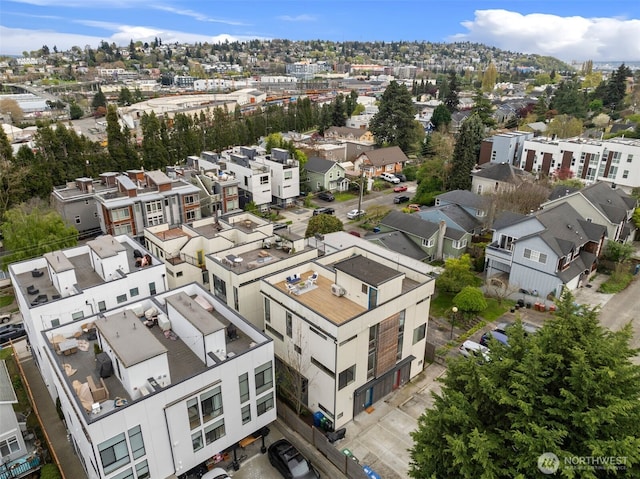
<point x="395" y="124"/>
<point x="452" y="98"/>
<point x="466" y="153"/>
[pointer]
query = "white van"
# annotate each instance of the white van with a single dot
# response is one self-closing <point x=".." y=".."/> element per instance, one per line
<point x="390" y="178"/>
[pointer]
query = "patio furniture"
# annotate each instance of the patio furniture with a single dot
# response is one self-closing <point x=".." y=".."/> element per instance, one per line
<point x="31" y="289"/>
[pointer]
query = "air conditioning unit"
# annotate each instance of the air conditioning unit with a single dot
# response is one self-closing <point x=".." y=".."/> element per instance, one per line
<point x="337" y="290"/>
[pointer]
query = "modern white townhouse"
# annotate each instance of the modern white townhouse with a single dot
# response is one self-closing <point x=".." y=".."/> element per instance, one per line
<point x="504" y="147"/>
<point x="351" y="324"/>
<point x="145" y="198"/>
<point x="151" y="383"/>
<point x="615" y="160"/>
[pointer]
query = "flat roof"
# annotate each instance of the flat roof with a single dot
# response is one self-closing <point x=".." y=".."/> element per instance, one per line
<point x="58" y="261"/>
<point x="203" y="320"/>
<point x="106" y="246"/>
<point x="129" y="338"/>
<point x="366" y="270"/>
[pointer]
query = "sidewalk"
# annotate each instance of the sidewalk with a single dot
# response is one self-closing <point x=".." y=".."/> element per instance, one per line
<point x="58" y="443"/>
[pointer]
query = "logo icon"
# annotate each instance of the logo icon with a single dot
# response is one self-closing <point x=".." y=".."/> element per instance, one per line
<point x="548" y="463"/>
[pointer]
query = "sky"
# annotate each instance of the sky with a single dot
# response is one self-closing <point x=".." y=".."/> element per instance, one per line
<point x="570" y="30"/>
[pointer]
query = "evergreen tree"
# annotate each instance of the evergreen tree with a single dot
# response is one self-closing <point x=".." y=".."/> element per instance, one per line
<point x="616" y="88"/>
<point x="338" y="113"/>
<point x="120" y="149"/>
<point x="154" y="152"/>
<point x="569" y="390"/>
<point x="441" y="117"/>
<point x="569" y="99"/>
<point x="99" y="100"/>
<point x="466" y="153"/>
<point x="484" y="109"/>
<point x="394" y="124"/>
<point x="452" y="98"/>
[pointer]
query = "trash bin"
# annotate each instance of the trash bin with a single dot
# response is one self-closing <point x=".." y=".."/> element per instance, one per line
<point x="528" y="305"/>
<point x="376" y="229"/>
<point x="326" y="424"/>
<point x="317" y="418"/>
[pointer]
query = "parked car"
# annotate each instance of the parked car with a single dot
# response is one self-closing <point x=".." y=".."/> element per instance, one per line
<point x="472" y="349"/>
<point x="401" y="177"/>
<point x="12" y="331"/>
<point x="5" y="318"/>
<point x="528" y="327"/>
<point x="401" y="188"/>
<point x="323" y="211"/>
<point x="390" y="177"/>
<point x="355" y="233"/>
<point x="279" y="226"/>
<point x="401" y="199"/>
<point x="355" y="214"/>
<point x="326" y="196"/>
<point x="290" y="462"/>
<point x="217" y="473"/>
<point x="500" y="337"/>
<point x="413" y="207"/>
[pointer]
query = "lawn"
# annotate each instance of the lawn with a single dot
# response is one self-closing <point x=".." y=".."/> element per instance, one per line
<point x="344" y="195"/>
<point x="6" y="300"/>
<point x="441" y="306"/>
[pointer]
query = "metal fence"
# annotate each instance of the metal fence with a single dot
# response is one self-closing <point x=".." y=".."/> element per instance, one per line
<point x="347" y="464"/>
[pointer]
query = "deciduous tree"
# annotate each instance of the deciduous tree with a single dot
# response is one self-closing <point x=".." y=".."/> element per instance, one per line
<point x="457" y="274"/>
<point x="323" y="224"/>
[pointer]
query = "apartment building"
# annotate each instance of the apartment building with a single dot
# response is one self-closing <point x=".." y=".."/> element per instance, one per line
<point x="151" y="383"/>
<point x="351" y="325"/>
<point x="615" y="160"/>
<point x="145" y="198"/>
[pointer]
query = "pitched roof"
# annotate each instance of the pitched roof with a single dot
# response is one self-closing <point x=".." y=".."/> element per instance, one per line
<point x="319" y="165"/>
<point x="560" y="191"/>
<point x="455" y="214"/>
<point x="346" y="131"/>
<point x="398" y="242"/>
<point x="507" y="218"/>
<point x="386" y="156"/>
<point x="410" y="223"/>
<point x="463" y="198"/>
<point x="612" y="202"/>
<point x="500" y="172"/>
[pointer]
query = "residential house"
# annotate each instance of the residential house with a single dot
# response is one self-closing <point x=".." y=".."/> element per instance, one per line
<point x="544" y="252"/>
<point x="77" y="204"/>
<point x="344" y="133"/>
<point x="351" y="325"/>
<point x="497" y="178"/>
<point x="145" y="198"/>
<point x="382" y="160"/>
<point x="325" y="175"/>
<point x="18" y="455"/>
<point x="461" y="209"/>
<point x="179" y="380"/>
<point x="603" y="204"/>
<point x="457" y="119"/>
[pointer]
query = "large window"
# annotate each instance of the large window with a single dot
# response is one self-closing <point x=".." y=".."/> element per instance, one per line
<point x="124" y="229"/>
<point x="196" y="441"/>
<point x="264" y="180"/>
<point x="267" y="310"/>
<point x="400" y="334"/>
<point x="506" y="242"/>
<point x="289" y="321"/>
<point x="193" y="410"/>
<point x="264" y="404"/>
<point x="246" y="413"/>
<point x="214" y="432"/>
<point x="534" y="255"/>
<point x="9" y="446"/>
<point x="419" y="333"/>
<point x="142" y="470"/>
<point x="114" y="453"/>
<point x="211" y="404"/>
<point x="264" y="377"/>
<point x="220" y="288"/>
<point x="120" y="214"/>
<point x="347" y="376"/>
<point x="136" y="442"/>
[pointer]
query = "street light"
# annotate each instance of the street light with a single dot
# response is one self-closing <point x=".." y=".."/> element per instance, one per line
<point x="454" y="313"/>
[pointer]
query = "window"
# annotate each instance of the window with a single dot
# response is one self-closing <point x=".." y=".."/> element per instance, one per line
<point x="133" y="292"/>
<point x="419" y="333"/>
<point x="9" y="446"/>
<point x="55" y="322"/>
<point x="220" y="288"/>
<point x="274" y="331"/>
<point x="236" y="304"/>
<point x="629" y="158"/>
<point x="102" y="306"/>
<point x="347" y="377"/>
<point x="288" y="175"/>
<point x="534" y="255"/>
<point x="373" y="351"/>
<point x="194" y="412"/>
<point x="245" y="412"/>
<point x="114" y="453"/>
<point x="427" y="243"/>
<point x="459" y="244"/>
<point x="120" y="214"/>
<point x="124" y="229"/>
<point x="136" y="442"/>
<point x="190" y="215"/>
<point x="214" y="432"/>
<point x="211" y="404"/>
<point x="625" y="174"/>
<point x="264" y="179"/>
<point x="289" y="320"/>
<point x="142" y="470"/>
<point x="78" y="220"/>
<point x="244" y="387"/>
<point x="122" y="298"/>
<point x="264" y="404"/>
<point x="267" y="310"/>
<point x="128" y="474"/>
<point x="297" y="349"/>
<point x="196" y="441"/>
<point x="189" y="199"/>
<point x="400" y="334"/>
<point x="506" y="242"/>
<point x="264" y="377"/>
<point x="152" y="288"/>
<point x="77" y="315"/>
<point x="365" y="288"/>
<point x="322" y="367"/>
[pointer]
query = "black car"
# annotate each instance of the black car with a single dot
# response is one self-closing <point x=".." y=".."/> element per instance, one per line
<point x="401" y="199"/>
<point x="323" y="211"/>
<point x="401" y="177"/>
<point x="11" y="331"/>
<point x="326" y="196"/>
<point x="290" y="462"/>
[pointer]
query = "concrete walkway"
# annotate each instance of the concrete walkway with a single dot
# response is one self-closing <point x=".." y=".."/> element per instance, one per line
<point x="59" y="445"/>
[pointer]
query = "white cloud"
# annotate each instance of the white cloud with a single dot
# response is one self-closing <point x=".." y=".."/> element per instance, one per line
<point x="17" y="40"/>
<point x="567" y="38"/>
<point x="297" y="18"/>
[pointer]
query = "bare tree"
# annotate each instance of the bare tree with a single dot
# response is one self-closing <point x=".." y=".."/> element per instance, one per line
<point x="524" y="199"/>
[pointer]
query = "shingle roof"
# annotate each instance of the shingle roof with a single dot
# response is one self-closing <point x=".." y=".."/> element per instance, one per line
<point x="386" y="156"/>
<point x="410" y="223"/>
<point x="398" y="242"/>
<point x="500" y="172"/>
<point x="507" y="218"/>
<point x="612" y="202"/>
<point x="319" y="165"/>
<point x="464" y="198"/>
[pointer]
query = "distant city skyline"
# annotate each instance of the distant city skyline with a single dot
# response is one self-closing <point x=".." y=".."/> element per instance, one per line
<point x="566" y="29"/>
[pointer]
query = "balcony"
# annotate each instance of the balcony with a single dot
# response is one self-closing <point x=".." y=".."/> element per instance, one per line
<point x="499" y="254"/>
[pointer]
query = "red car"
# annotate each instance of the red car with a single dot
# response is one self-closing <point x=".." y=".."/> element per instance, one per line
<point x="400" y="188"/>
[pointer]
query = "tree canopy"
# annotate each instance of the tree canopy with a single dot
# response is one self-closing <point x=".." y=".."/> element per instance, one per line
<point x="394" y="124"/>
<point x="322" y="224"/>
<point x="466" y="153"/>
<point x="570" y="390"/>
<point x="457" y="274"/>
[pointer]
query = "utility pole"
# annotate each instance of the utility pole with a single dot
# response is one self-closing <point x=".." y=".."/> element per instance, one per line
<point x="361" y="187"/>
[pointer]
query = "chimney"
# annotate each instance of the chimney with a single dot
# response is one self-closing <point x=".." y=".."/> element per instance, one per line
<point x="442" y="228"/>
